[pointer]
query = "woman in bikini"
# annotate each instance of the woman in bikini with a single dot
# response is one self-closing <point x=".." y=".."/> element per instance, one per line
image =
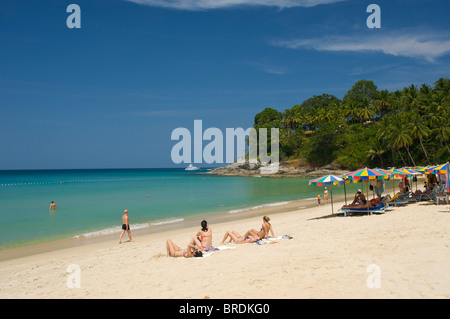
<point x="237" y="238"/>
<point x="175" y="251"/>
<point x="203" y="238"/>
<point x="264" y="232"/>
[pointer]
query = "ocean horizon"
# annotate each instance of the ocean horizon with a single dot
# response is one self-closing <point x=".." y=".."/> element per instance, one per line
<point x="91" y="201"/>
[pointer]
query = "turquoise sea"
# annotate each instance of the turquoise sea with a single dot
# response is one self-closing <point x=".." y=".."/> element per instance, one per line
<point x="91" y="202"/>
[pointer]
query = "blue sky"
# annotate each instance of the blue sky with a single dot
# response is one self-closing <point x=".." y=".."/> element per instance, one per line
<point x="109" y="95"/>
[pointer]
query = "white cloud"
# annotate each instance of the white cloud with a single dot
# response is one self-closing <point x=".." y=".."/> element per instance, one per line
<point x="428" y="46"/>
<point x="267" y="67"/>
<point x="197" y="5"/>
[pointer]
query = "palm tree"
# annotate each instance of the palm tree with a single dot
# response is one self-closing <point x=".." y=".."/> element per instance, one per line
<point x="386" y="136"/>
<point x="433" y="114"/>
<point x="410" y="97"/>
<point x="419" y="131"/>
<point x="351" y="111"/>
<point x="443" y="135"/>
<point x="377" y="151"/>
<point x="442" y="85"/>
<point x="401" y="138"/>
<point x="382" y="102"/>
<point x="366" y="112"/>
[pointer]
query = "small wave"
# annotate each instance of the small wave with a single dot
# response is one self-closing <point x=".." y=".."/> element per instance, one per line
<point x="109" y="231"/>
<point x="235" y="211"/>
<point x="170" y="221"/>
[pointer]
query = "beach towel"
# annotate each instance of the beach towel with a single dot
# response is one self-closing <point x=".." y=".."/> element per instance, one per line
<point x="273" y="240"/>
<point x="224" y="247"/>
<point x="210" y="249"/>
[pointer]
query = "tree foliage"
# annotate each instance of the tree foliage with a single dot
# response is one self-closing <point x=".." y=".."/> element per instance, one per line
<point x="367" y="127"/>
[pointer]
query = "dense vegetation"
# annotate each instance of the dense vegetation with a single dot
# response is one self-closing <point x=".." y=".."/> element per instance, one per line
<point x="372" y="128"/>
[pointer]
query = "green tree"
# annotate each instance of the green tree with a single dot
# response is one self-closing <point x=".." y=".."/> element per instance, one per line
<point x="419" y="131"/>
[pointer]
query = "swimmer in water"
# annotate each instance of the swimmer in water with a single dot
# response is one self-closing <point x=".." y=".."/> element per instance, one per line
<point x="53" y="205"/>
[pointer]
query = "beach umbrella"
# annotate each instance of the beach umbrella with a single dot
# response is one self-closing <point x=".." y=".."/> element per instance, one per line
<point x="328" y="180"/>
<point x="447" y="185"/>
<point x="439" y="169"/>
<point x="410" y="172"/>
<point x="424" y="169"/>
<point x="366" y="174"/>
<point x="396" y="173"/>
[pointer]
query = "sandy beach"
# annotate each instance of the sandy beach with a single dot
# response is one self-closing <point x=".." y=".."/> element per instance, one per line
<point x="406" y="249"/>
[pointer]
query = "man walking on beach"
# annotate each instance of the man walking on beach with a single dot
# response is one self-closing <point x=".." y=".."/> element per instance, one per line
<point x="125" y="226"/>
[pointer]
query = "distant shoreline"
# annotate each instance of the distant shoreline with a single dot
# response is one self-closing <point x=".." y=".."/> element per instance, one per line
<point x="246" y="169"/>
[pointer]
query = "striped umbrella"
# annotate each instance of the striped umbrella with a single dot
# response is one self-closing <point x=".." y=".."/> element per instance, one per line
<point x="385" y="172"/>
<point x="440" y="169"/>
<point x="447" y="185"/>
<point x="398" y="173"/>
<point x="328" y="180"/>
<point x="410" y="172"/>
<point x="424" y="169"/>
<point x="366" y="174"/>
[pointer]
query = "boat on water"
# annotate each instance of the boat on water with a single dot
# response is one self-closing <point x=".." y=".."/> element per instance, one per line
<point x="191" y="168"/>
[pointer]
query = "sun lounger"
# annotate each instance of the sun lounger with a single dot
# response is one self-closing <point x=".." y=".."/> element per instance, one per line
<point x="376" y="209"/>
<point x="387" y="200"/>
<point x="443" y="197"/>
<point x="433" y="194"/>
<point x="441" y="194"/>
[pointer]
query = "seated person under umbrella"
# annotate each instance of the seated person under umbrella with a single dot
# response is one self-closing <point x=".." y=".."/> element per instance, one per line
<point x="359" y="201"/>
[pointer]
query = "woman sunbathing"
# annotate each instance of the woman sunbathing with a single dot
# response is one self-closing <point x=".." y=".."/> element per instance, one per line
<point x="203" y="238"/>
<point x="175" y="251"/>
<point x="237" y="238"/>
<point x="264" y="232"/>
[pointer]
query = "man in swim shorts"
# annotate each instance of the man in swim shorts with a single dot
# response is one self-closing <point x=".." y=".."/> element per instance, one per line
<point x="125" y="226"/>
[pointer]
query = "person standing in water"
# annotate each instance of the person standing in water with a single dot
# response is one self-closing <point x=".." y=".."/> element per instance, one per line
<point x="325" y="195"/>
<point x="53" y="205"/>
<point x="125" y="226"/>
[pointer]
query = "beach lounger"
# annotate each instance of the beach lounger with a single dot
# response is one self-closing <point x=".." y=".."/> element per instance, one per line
<point x="433" y="195"/>
<point x="377" y="209"/>
<point x="395" y="200"/>
<point x="442" y="194"/>
<point x="443" y="197"/>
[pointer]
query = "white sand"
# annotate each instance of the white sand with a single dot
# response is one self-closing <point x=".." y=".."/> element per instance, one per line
<point x="328" y="257"/>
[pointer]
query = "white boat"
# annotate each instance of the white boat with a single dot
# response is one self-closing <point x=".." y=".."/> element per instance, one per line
<point x="191" y="168"/>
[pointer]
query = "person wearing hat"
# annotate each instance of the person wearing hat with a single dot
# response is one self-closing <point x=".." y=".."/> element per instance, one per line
<point x="360" y="199"/>
<point x="325" y="195"/>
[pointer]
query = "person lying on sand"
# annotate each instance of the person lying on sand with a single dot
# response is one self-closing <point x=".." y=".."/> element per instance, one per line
<point x="237" y="238"/>
<point x="264" y="231"/>
<point x="175" y="251"/>
<point x="203" y="238"/>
